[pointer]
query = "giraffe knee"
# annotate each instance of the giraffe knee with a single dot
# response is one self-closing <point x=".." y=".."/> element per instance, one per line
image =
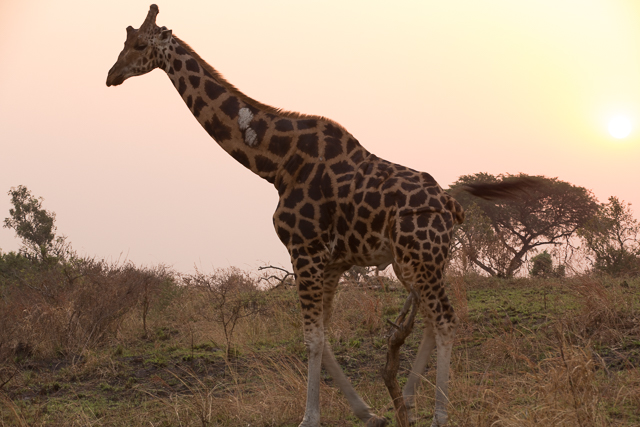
<point x="314" y="341"/>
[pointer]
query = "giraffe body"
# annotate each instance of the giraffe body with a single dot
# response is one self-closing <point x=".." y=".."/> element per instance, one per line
<point x="339" y="206"/>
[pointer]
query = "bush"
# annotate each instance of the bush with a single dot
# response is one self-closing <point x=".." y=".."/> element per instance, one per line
<point x="68" y="307"/>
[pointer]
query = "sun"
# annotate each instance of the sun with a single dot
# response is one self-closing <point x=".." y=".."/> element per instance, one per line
<point x="619" y="127"/>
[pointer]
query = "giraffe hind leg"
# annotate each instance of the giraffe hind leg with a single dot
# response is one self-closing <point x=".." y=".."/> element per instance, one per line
<point x="410" y="280"/>
<point x="441" y="339"/>
<point x="420" y="265"/>
<point x="445" y="333"/>
<point x="419" y="365"/>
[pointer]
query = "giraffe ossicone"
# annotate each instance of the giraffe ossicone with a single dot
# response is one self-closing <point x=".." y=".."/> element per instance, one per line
<point x="339" y="206"/>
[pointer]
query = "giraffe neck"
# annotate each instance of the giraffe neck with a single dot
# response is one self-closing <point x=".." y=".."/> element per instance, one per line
<point x="262" y="138"/>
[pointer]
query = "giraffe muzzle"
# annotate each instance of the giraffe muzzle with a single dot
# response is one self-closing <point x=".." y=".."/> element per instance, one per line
<point x="114" y="78"/>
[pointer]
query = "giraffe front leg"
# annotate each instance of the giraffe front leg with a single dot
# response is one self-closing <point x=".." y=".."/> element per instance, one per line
<point x="358" y="406"/>
<point x="309" y="274"/>
<point x="314" y="340"/>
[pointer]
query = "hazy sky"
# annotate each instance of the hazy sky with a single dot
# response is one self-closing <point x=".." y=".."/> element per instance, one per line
<point x="448" y="87"/>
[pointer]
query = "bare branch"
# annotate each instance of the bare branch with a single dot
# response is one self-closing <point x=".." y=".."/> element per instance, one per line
<point x="281" y="280"/>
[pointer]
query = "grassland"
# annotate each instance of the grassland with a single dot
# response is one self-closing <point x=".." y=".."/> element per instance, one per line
<point x="129" y="347"/>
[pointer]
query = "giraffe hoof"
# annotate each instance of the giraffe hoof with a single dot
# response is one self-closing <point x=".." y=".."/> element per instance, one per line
<point x="437" y="423"/>
<point x="376" y="422"/>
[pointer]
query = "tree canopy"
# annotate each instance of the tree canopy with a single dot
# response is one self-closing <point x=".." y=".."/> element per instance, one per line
<point x="498" y="234"/>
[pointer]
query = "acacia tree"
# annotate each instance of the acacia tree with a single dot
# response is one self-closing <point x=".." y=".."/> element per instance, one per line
<point x="613" y="237"/>
<point x="499" y="234"/>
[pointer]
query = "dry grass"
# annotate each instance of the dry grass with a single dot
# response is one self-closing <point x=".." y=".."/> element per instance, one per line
<point x="459" y="297"/>
<point x="101" y="350"/>
<point x="275" y="396"/>
<point x="557" y="372"/>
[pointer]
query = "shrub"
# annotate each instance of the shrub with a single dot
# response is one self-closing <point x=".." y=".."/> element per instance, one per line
<point x="225" y="297"/>
<point x="68" y="307"/>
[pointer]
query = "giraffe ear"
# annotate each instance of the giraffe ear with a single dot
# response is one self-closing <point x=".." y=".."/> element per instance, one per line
<point x="165" y="34"/>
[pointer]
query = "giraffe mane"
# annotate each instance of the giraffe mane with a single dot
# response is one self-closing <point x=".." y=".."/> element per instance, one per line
<point x="236" y="92"/>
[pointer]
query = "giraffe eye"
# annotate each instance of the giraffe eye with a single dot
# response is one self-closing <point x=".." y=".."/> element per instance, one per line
<point x="140" y="47"/>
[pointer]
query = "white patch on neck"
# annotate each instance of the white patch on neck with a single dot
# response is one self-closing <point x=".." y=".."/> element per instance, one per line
<point x="250" y="137"/>
<point x="244" y="120"/>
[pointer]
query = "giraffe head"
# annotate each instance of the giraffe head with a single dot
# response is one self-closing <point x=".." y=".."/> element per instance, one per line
<point x="142" y="49"/>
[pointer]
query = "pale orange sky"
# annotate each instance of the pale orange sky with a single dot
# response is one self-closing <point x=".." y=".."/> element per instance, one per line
<point x="451" y="88"/>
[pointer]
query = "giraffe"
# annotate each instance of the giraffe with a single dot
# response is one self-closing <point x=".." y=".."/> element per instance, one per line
<point x="339" y="205"/>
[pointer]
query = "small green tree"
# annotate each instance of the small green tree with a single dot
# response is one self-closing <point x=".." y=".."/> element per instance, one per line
<point x="543" y="266"/>
<point x="33" y="224"/>
<point x="613" y="238"/>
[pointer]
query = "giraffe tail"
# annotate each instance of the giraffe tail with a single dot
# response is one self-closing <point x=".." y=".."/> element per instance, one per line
<point x="508" y="189"/>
